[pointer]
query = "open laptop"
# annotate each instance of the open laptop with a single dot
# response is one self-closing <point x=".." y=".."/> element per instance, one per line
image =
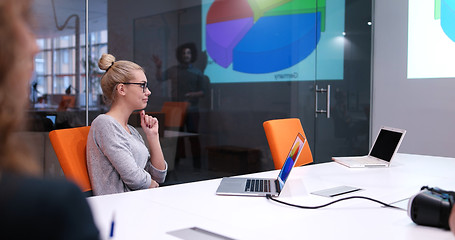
<point x="263" y="186"/>
<point x="384" y="148"/>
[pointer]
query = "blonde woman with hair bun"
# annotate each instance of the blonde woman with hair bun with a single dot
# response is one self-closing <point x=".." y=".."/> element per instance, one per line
<point x="117" y="158"/>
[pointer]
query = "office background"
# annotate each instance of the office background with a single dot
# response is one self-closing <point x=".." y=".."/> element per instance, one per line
<point x="421" y="106"/>
<point x="373" y="91"/>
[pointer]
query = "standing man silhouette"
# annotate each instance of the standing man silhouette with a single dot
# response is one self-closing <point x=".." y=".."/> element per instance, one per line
<point x="186" y="84"/>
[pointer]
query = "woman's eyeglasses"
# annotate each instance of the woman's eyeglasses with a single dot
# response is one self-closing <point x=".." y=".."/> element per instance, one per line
<point x="142" y="84"/>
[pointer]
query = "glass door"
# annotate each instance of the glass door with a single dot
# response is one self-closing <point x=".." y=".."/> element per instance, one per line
<point x="304" y="59"/>
<point x="332" y="96"/>
<point x="342" y="85"/>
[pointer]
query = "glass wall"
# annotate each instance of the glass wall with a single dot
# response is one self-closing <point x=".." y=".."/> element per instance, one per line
<point x="253" y="62"/>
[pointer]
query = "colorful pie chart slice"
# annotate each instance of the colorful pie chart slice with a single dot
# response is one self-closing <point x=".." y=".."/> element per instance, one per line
<point x="263" y="36"/>
<point x="448" y="18"/>
<point x="277" y="42"/>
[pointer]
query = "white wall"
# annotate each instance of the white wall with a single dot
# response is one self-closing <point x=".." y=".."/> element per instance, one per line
<point x="424" y="107"/>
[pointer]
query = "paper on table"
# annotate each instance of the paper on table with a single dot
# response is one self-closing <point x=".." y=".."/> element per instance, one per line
<point x="195" y="233"/>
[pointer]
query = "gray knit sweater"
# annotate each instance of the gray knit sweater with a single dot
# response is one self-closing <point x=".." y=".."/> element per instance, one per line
<point x="118" y="161"/>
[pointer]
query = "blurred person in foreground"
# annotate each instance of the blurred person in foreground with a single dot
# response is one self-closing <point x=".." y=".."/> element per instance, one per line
<point x="30" y="207"/>
<point x="452" y="220"/>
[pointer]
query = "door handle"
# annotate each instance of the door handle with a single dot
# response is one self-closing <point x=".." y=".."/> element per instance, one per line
<point x="322" y="90"/>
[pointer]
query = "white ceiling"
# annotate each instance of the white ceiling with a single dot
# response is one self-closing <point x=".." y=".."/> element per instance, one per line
<point x="45" y="20"/>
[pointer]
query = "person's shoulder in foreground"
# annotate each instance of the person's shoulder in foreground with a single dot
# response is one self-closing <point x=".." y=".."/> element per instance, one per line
<point x="32" y="208"/>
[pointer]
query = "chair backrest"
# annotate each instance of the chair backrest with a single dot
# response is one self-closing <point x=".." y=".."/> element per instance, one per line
<point x="281" y="134"/>
<point x="70" y="147"/>
<point x="175" y="114"/>
<point x="68" y="101"/>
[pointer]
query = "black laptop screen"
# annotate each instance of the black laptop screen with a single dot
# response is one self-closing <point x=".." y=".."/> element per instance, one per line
<point x="386" y="144"/>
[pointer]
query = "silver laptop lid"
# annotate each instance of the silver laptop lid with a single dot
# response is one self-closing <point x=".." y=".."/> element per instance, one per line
<point x="387" y="143"/>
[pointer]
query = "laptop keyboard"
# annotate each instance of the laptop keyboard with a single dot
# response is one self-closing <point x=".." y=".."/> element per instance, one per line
<point x="257" y="185"/>
<point x="368" y="161"/>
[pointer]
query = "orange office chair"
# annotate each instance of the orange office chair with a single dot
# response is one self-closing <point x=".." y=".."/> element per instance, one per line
<point x="70" y="147"/>
<point x="281" y="134"/>
<point x="175" y="114"/>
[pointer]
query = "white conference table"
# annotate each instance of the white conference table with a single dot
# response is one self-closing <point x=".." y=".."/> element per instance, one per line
<point x="152" y="213"/>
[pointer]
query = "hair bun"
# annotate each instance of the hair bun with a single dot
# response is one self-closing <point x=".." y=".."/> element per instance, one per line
<point x="106" y="61"/>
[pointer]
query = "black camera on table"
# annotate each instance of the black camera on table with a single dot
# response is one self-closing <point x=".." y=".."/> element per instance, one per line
<point x="431" y="207"/>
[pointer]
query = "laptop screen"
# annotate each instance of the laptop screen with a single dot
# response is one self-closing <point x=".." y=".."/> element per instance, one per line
<point x="386" y="144"/>
<point x="292" y="157"/>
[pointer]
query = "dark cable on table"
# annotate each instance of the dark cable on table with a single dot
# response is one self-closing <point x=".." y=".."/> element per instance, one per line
<point x="268" y="196"/>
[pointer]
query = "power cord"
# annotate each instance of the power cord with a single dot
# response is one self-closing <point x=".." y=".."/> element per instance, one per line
<point x="268" y="196"/>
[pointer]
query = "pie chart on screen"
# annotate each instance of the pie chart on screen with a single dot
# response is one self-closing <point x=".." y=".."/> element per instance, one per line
<point x="263" y="36"/>
<point x="447" y="16"/>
